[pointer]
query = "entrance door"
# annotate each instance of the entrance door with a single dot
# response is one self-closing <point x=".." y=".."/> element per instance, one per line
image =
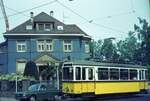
<point x="88" y="80"/>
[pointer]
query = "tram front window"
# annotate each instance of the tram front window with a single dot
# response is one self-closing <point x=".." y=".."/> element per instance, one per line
<point x="67" y="73"/>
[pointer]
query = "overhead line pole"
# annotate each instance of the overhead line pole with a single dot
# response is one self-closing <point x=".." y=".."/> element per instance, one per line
<point x="4" y="14"/>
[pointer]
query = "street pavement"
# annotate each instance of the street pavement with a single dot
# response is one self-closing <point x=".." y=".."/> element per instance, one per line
<point x="139" y="97"/>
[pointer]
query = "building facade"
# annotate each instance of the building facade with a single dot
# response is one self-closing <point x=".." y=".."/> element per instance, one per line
<point x="42" y="39"/>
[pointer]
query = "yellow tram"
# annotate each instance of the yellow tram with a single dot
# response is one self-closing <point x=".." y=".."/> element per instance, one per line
<point x="88" y="77"/>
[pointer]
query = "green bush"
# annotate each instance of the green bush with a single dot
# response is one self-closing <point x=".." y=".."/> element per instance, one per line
<point x="12" y="77"/>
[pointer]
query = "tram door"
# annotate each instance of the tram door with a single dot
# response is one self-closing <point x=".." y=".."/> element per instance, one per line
<point x="88" y="80"/>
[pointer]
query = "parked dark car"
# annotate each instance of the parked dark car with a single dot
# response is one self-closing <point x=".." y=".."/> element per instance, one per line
<point x="39" y="92"/>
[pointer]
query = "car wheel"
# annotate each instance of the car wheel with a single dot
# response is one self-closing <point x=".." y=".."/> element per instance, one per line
<point x="56" y="98"/>
<point x="32" y="98"/>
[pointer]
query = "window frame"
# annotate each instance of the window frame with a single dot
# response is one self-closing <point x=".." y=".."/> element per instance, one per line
<point x="72" y="74"/>
<point x="20" y="61"/>
<point x="121" y="73"/>
<point x="87" y="46"/>
<point x="45" y="45"/>
<point x="102" y="71"/>
<point x="79" y="73"/>
<point x="67" y="44"/>
<point x="133" y="78"/>
<point x="44" y="26"/>
<point x="21" y="44"/>
<point x="111" y="74"/>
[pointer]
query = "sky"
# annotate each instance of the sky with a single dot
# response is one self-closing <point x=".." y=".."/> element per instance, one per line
<point x="99" y="18"/>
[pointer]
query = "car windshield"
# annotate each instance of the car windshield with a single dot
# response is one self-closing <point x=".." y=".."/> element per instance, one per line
<point x="33" y="88"/>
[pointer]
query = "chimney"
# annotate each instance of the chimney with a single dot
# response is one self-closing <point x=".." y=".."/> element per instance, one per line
<point x="52" y="13"/>
<point x="31" y="15"/>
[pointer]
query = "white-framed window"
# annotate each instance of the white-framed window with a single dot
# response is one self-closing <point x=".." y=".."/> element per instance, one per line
<point x="67" y="46"/>
<point x="87" y="47"/>
<point x="44" y="26"/>
<point x="40" y="45"/>
<point x="21" y="46"/>
<point x="28" y="27"/>
<point x="44" y="45"/>
<point x="20" y="66"/>
<point x="49" y="45"/>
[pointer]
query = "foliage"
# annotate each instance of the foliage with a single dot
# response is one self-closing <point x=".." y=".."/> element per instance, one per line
<point x="127" y="48"/>
<point x="109" y="50"/>
<point x="48" y="72"/>
<point x="105" y="50"/>
<point x="135" y="48"/>
<point x="143" y="36"/>
<point x="31" y="70"/>
<point x="12" y="77"/>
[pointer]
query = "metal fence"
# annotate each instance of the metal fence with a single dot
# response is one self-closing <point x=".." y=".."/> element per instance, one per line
<point x="8" y="88"/>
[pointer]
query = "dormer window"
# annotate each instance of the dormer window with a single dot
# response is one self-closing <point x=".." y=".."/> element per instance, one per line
<point x="40" y="27"/>
<point x="44" y="26"/>
<point x="60" y="27"/>
<point x="28" y="27"/>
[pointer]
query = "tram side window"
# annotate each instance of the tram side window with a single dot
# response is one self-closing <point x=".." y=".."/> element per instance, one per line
<point x="68" y="73"/>
<point x="124" y="74"/>
<point x="83" y="73"/>
<point x="146" y="73"/>
<point x="142" y="75"/>
<point x="102" y="73"/>
<point x="133" y="74"/>
<point x="90" y="73"/>
<point x="78" y="73"/>
<point x="114" y="74"/>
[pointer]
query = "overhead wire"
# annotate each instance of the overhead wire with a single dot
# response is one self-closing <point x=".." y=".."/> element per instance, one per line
<point x="26" y="10"/>
<point x="88" y="21"/>
<point x="133" y="9"/>
<point x="15" y="11"/>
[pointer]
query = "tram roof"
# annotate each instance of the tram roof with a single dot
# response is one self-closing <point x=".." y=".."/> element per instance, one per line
<point x="93" y="63"/>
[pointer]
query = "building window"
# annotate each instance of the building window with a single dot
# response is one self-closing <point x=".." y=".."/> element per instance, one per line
<point x="44" y="45"/>
<point x="29" y="27"/>
<point x="20" y="67"/>
<point x="67" y="46"/>
<point x="87" y="47"/>
<point x="21" y="46"/>
<point x="48" y="27"/>
<point x="44" y="26"/>
<point x="40" y="45"/>
<point x="49" y="45"/>
<point x="40" y="27"/>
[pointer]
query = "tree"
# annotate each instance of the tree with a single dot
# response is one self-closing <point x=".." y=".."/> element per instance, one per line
<point x="31" y="70"/>
<point x="143" y="35"/>
<point x="108" y="50"/>
<point x="96" y="49"/>
<point x="127" y="48"/>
